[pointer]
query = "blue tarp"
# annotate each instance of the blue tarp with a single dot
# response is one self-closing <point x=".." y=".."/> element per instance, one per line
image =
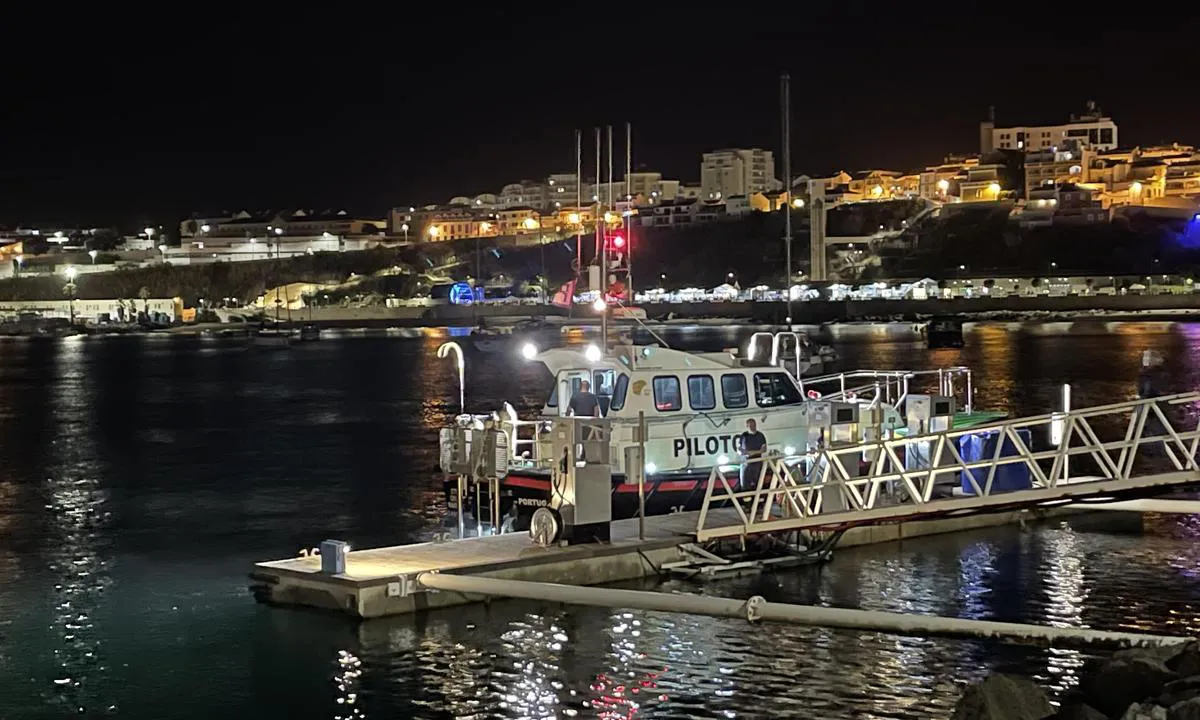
<point x="982" y="446"/>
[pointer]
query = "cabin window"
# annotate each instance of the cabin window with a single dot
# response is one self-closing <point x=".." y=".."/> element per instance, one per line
<point x="771" y="389"/>
<point x="553" y="401"/>
<point x="733" y="391"/>
<point x="702" y="394"/>
<point x="667" y="394"/>
<point x="622" y="387"/>
<point x="602" y="382"/>
<point x="602" y="386"/>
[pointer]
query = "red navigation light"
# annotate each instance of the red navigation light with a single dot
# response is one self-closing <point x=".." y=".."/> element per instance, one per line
<point x="618" y="242"/>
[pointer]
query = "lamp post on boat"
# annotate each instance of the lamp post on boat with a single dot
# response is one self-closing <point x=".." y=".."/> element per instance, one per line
<point x="444" y="351"/>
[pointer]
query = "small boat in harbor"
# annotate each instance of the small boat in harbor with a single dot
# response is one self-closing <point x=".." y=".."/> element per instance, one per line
<point x="309" y="332"/>
<point x="272" y="337"/>
<point x="696" y="407"/>
<point x="495" y="339"/>
<point x="944" y="332"/>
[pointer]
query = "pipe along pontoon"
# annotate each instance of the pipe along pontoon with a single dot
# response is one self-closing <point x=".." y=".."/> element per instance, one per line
<point x="693" y="407"/>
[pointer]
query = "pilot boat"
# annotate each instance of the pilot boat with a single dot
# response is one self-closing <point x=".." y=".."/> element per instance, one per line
<point x="694" y="407"/>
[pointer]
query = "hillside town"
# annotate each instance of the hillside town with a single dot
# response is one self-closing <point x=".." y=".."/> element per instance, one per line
<point x="1072" y="174"/>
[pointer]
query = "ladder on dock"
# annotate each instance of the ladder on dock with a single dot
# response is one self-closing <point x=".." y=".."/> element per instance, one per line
<point x="895" y="480"/>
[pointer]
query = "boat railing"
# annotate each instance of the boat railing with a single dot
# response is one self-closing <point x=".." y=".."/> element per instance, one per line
<point x="779" y="343"/>
<point x="889" y="386"/>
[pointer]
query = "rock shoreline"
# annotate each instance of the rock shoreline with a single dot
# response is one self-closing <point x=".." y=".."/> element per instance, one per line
<point x="1137" y="684"/>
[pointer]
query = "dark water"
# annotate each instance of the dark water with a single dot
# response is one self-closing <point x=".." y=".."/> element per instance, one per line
<point x="141" y="477"/>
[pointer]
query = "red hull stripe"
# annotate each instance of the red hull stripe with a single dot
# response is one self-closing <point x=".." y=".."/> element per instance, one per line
<point x="660" y="486"/>
<point x="525" y="482"/>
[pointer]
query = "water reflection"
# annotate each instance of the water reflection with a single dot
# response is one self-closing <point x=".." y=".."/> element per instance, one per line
<point x="347" y="670"/>
<point x="78" y="515"/>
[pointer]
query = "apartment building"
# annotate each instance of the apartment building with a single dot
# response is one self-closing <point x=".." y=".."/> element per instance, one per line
<point x="1069" y="163"/>
<point x="736" y="171"/>
<point x="1091" y="130"/>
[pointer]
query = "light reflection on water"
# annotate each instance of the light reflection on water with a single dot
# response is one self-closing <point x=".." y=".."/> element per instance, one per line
<point x="139" y="478"/>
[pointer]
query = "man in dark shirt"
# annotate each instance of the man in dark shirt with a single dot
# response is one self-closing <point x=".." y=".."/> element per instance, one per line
<point x="584" y="403"/>
<point x="753" y="445"/>
<point x="1152" y="382"/>
<point x="1152" y="378"/>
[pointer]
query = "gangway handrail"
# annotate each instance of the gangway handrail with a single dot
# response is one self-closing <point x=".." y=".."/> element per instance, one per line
<point x="796" y="486"/>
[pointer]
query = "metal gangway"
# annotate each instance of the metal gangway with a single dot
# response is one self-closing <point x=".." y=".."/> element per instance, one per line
<point x="894" y="479"/>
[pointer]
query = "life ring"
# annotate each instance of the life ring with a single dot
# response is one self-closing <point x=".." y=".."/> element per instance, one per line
<point x="813" y="395"/>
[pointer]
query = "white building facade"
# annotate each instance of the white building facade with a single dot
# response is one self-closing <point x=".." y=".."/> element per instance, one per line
<point x="736" y="171"/>
<point x="1090" y="130"/>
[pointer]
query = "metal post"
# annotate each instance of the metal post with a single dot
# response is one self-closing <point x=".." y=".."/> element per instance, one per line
<point x="970" y="391"/>
<point x="611" y="200"/>
<point x="494" y="493"/>
<point x="628" y="161"/>
<point x="630" y="296"/>
<point x="597" y="215"/>
<point x="1066" y="406"/>
<point x="641" y="475"/>
<point x="579" y="201"/>
<point x="786" y="102"/>
<point x="604" y="254"/>
<point x="478" y="509"/>
<point x="462" y="498"/>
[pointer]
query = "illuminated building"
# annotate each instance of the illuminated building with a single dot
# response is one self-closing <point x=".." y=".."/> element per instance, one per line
<point x="1069" y="163"/>
<point x="1091" y="129"/>
<point x="736" y="171"/>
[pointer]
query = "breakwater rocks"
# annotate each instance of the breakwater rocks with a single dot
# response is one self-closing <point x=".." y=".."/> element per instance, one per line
<point x="1137" y="684"/>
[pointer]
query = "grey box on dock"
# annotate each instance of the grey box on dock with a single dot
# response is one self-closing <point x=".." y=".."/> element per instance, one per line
<point x="333" y="557"/>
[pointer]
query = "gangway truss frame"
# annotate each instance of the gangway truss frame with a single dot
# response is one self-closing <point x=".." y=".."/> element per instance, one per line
<point x="794" y="492"/>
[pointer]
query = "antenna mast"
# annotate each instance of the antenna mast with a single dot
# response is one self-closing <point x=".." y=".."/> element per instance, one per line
<point x="786" y="102"/>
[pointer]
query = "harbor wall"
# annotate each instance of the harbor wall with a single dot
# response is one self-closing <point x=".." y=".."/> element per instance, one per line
<point x="1178" y="306"/>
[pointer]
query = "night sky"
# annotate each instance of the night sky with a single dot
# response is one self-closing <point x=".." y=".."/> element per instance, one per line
<point x="129" y="124"/>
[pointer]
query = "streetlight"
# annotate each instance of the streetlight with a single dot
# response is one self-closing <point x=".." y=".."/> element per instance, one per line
<point x="798" y="203"/>
<point x="434" y="231"/>
<point x="149" y="232"/>
<point x="573" y="218"/>
<point x="278" y="231"/>
<point x="530" y="223"/>
<point x="163" y="249"/>
<point x="404" y="229"/>
<point x="70" y="290"/>
<point x="20" y="264"/>
<point x="943" y="186"/>
<point x="93" y="253"/>
<point x="205" y="228"/>
<point x="994" y="189"/>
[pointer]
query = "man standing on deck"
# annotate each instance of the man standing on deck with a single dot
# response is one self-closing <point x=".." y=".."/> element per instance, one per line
<point x="584" y="403"/>
<point x="752" y="444"/>
<point x="1152" y="383"/>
